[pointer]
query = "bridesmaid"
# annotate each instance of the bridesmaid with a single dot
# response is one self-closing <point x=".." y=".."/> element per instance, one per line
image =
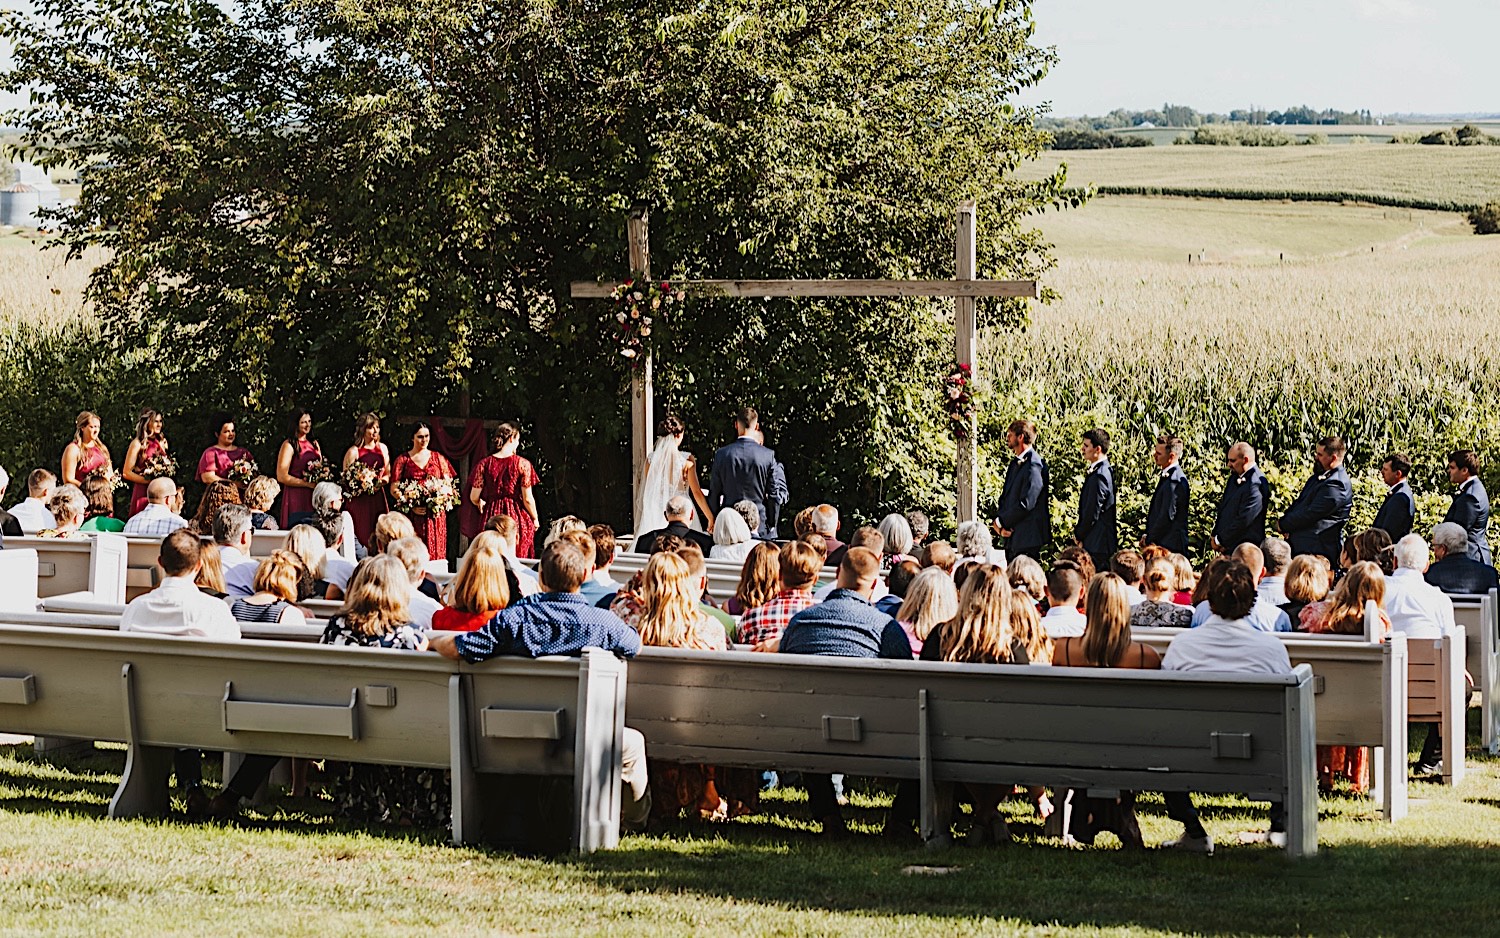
<point x="87" y="454"/>
<point x="297" y="450"/>
<point x="148" y="443"/>
<point x="213" y="465"/>
<point x="420" y="464"/>
<point x="367" y="448"/>
<point x="502" y="485"/>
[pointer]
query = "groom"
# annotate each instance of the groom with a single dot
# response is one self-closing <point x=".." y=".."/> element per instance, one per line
<point x="744" y="470"/>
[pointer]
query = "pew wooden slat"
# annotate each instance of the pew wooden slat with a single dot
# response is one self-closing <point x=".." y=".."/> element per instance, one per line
<point x="1480" y="617"/>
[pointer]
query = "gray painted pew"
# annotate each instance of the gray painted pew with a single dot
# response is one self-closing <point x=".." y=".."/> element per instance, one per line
<point x="549" y="716"/>
<point x="1480" y="617"/>
<point x="70" y="565"/>
<point x="1104" y="730"/>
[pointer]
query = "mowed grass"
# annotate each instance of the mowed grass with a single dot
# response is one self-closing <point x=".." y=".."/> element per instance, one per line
<point x="67" y="869"/>
<point x="1463" y="175"/>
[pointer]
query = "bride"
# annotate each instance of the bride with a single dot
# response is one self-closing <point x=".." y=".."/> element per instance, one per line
<point x="670" y="471"/>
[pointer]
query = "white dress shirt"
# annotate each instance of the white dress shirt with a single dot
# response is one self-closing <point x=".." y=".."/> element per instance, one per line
<point x="178" y="607"/>
<point x="1133" y="596"/>
<point x="230" y="557"/>
<point x="1227" y="645"/>
<point x="1415" y="607"/>
<point x="153" y="521"/>
<point x="337" y="571"/>
<point x="1272" y="589"/>
<point x="34" y="516"/>
<point x="1064" y="622"/>
<point x="421" y="608"/>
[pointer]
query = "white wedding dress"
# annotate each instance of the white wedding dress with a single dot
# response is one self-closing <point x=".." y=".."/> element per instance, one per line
<point x="664" y="479"/>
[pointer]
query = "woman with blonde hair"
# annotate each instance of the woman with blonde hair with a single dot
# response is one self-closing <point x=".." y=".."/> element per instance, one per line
<point x="375" y="611"/>
<point x="391" y="526"/>
<point x="1024" y="573"/>
<point x="930" y="600"/>
<point x="68" y="506"/>
<point x="210" y="579"/>
<point x="760" y="579"/>
<point x="1344" y="614"/>
<point x="481" y="589"/>
<point x="1187" y="580"/>
<point x="278" y="584"/>
<point x="1308" y="580"/>
<point x="1157" y="610"/>
<point x="260" y="495"/>
<point x="148" y="443"/>
<point x="563" y="525"/>
<point x="86" y="454"/>
<point x="670" y="616"/>
<point x="1027" y="629"/>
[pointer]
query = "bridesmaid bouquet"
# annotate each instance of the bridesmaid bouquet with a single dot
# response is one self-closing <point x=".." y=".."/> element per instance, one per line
<point x="115" y="480"/>
<point x="242" y="470"/>
<point x="159" y="466"/>
<point x="319" y="471"/>
<point x="360" y="479"/>
<point x="440" y="495"/>
<point x="409" y="495"/>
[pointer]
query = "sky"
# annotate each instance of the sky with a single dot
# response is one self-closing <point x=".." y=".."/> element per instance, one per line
<point x="1390" y="56"/>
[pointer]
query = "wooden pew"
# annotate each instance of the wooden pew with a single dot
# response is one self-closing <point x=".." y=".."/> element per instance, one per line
<point x="550" y="716"/>
<point x="1104" y="730"/>
<point x="69" y="565"/>
<point x="1480" y="617"/>
<point x="18" y="579"/>
<point x="73" y="615"/>
<point x="1435" y="694"/>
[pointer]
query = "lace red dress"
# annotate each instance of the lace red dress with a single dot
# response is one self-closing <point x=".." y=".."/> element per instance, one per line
<point x="502" y="483"/>
<point x="151" y="450"/>
<point x="432" y="528"/>
<point x="367" y="509"/>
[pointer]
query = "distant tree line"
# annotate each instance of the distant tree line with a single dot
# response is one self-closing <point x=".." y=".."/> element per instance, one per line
<point x="1466" y="136"/>
<point x="1180" y="115"/>
<point x="1082" y="139"/>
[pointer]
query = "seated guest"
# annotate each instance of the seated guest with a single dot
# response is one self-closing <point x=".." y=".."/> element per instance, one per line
<point x="749" y="513"/>
<point x="389" y="528"/>
<point x="328" y="501"/>
<point x="260" y="495"/>
<point x="1226" y="642"/>
<point x="844" y="625"/>
<point x="66" y="506"/>
<point x="510" y="532"/>
<point x="1374" y="546"/>
<point x="870" y="539"/>
<point x="679" y="515"/>
<point x="304" y="541"/>
<point x="412" y="552"/>
<point x="980" y="634"/>
<point x="1454" y="572"/>
<point x="1416" y="608"/>
<point x="481" y="589"/>
<point x="601" y="585"/>
<point x="931" y="599"/>
<point x="896" y="583"/>
<point x="698" y="581"/>
<point x="974" y="544"/>
<point x="732" y="537"/>
<point x="558" y="622"/>
<point x="896" y="537"/>
<point x="215" y="496"/>
<point x="818" y="543"/>
<point x="210" y="579"/>
<point x="158" y="518"/>
<point x="1079" y="558"/>
<point x="1263" y="615"/>
<point x="760" y="580"/>
<point x="920" y="527"/>
<point x="1187" y="580"/>
<point x="1064" y="586"/>
<point x="1157" y="610"/>
<point x="562" y="526"/>
<point x="1344" y="613"/>
<point x="376" y="611"/>
<point x="232" y="532"/>
<point x="1129" y="566"/>
<point x="825" y="521"/>
<point x="798" y="567"/>
<point x="100" y="516"/>
<point x="277" y="585"/>
<point x="1026" y="627"/>
<point x="1277" y="554"/>
<point x="9" y="525"/>
<point x="1308" y="580"/>
<point x="32" y="513"/>
<point x="1024" y="573"/>
<point x="803" y="523"/>
<point x="939" y="554"/>
<point x="1105" y="643"/>
<point x="176" y="607"/>
<point x="336" y="569"/>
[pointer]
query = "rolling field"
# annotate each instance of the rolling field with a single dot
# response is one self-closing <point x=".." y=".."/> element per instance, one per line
<point x="1442" y="177"/>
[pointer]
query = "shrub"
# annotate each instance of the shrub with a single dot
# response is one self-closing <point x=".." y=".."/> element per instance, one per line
<point x="1237" y="135"/>
<point x="1094" y="140"/>
<point x="1315" y="140"/>
<point x="1486" y="219"/>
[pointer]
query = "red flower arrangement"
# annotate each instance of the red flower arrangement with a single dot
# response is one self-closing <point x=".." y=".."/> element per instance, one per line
<point x="958" y="400"/>
<point x="638" y="304"/>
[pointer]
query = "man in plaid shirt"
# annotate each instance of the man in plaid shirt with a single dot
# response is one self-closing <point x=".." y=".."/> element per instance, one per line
<point x="159" y="518"/>
<point x="800" y="565"/>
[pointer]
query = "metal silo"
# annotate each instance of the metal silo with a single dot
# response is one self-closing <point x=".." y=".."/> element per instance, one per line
<point x="19" y="205"/>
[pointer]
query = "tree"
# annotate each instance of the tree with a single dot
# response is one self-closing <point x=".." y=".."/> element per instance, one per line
<point x="379" y="205"/>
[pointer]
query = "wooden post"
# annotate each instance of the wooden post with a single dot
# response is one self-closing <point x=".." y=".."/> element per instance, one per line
<point x="966" y="329"/>
<point x="641" y="404"/>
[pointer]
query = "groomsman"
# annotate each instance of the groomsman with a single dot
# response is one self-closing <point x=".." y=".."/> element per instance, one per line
<point x="1025" y="501"/>
<point x="1471" y="506"/>
<point x="1399" y="510"/>
<point x="1243" y="506"/>
<point x="1314" y="523"/>
<point x="1167" y="519"/>
<point x="1096" y="530"/>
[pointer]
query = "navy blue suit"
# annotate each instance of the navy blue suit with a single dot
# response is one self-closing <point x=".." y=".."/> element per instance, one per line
<point x="1314" y="523"/>
<point x="1096" y="529"/>
<point x="1471" y="511"/>
<point x="1025" y="505"/>
<point x="1242" y="510"/>
<point x="1167" y="519"/>
<point x="1397" y="512"/>
<point x="744" y="471"/>
<point x="1456" y="573"/>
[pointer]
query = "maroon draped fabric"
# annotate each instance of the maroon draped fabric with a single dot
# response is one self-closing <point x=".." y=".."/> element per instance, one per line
<point x="473" y="444"/>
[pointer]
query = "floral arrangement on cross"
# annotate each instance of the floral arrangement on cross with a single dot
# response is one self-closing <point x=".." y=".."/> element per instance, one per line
<point x="638" y="304"/>
<point x="958" y="400"/>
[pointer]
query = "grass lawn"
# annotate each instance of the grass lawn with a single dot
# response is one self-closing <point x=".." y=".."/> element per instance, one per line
<point x="67" y="869"/>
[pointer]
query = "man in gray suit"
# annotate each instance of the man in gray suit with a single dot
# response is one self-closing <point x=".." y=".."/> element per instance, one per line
<point x="745" y="470"/>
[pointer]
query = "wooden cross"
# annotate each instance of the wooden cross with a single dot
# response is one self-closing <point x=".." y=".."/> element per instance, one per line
<point x="964" y="289"/>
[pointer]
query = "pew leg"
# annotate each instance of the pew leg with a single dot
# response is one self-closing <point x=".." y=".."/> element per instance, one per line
<point x="143" y="788"/>
<point x="467" y="824"/>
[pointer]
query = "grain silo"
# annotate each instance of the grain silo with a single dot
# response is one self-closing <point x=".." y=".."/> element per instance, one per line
<point x="28" y="193"/>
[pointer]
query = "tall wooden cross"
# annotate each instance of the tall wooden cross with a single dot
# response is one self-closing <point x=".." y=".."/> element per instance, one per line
<point x="964" y="289"/>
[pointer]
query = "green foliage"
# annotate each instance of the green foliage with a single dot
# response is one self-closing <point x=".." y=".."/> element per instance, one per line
<point x="1094" y="140"/>
<point x="380" y="206"/>
<point x="1486" y="219"/>
<point x="1237" y="135"/>
<point x="1316" y="139"/>
<point x="1288" y="195"/>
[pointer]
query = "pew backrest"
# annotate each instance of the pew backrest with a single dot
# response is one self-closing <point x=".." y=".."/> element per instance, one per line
<point x="1435" y="694"/>
<point x="18" y="579"/>
<point x="1480" y="618"/>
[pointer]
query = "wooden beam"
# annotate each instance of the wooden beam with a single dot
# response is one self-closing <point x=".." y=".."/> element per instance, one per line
<point x="966" y="345"/>
<point x="588" y="289"/>
<point x="642" y="404"/>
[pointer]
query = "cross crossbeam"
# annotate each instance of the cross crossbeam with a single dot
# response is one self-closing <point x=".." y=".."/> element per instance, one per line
<point x="587" y="289"/>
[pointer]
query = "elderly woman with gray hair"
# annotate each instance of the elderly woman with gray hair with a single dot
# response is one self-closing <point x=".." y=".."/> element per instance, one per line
<point x="733" y="540"/>
<point x="898" y="539"/>
<point x="975" y="546"/>
<point x="328" y="500"/>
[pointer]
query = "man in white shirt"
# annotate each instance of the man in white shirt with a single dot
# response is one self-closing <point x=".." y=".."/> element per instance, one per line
<point x="1064" y="587"/>
<point x="412" y="553"/>
<point x="1263" y="615"/>
<point x="1278" y="555"/>
<point x="336" y="570"/>
<point x="1129" y="566"/>
<point x="33" y="513"/>
<point x="1417" y="609"/>
<point x="232" y="533"/>
<point x="1226" y="642"/>
<point x="159" y="518"/>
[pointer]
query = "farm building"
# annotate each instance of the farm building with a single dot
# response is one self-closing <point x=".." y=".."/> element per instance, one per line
<point x="26" y="192"/>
